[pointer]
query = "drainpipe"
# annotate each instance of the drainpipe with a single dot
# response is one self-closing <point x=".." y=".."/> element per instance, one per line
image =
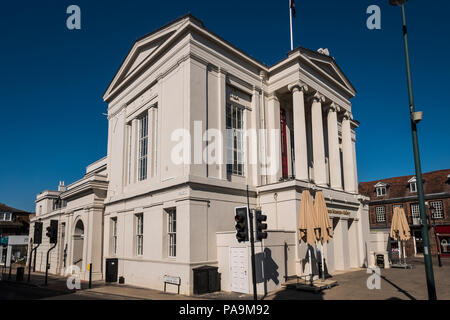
<point x="103" y="240"/>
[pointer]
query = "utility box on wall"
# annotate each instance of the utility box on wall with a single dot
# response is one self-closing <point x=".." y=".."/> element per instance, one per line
<point x="206" y="279"/>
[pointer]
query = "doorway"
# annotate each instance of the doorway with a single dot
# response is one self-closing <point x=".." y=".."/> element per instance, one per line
<point x="78" y="244"/>
<point x="418" y="242"/>
<point x="239" y="269"/>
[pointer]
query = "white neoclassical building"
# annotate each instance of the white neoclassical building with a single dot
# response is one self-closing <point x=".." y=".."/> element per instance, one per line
<point x="152" y="215"/>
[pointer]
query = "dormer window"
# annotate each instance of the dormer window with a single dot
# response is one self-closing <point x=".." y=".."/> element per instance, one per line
<point x="381" y="188"/>
<point x="381" y="191"/>
<point x="412" y="184"/>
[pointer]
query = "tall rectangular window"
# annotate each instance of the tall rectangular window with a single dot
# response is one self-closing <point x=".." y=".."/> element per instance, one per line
<point x="130" y="142"/>
<point x="172" y="232"/>
<point x="114" y="235"/>
<point x="143" y="147"/>
<point x="139" y="234"/>
<point x="415" y="213"/>
<point x="235" y="139"/>
<point x="381" y="214"/>
<point x="439" y="210"/>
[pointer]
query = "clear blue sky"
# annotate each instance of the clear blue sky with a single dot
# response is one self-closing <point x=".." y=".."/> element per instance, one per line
<point x="52" y="79"/>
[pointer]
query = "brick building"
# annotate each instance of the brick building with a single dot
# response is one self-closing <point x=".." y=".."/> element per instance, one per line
<point x="386" y="194"/>
<point x="14" y="228"/>
<point x="13" y="221"/>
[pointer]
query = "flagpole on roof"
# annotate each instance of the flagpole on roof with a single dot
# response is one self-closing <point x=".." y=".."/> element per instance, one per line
<point x="290" y="20"/>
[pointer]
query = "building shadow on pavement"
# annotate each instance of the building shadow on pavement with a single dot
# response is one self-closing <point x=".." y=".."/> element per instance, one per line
<point x="20" y="291"/>
<point x="293" y="294"/>
<point x="399" y="289"/>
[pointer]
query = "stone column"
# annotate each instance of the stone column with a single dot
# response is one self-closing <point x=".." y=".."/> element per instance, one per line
<point x="222" y="103"/>
<point x="347" y="151"/>
<point x="333" y="148"/>
<point x="253" y="149"/>
<point x="273" y="155"/>
<point x="320" y="177"/>
<point x="300" y="145"/>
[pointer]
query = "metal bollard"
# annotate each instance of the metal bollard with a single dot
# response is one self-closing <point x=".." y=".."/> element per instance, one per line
<point x="90" y="275"/>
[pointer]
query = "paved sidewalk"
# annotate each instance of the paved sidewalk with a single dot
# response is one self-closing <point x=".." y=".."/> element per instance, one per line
<point x="100" y="290"/>
<point x="396" y="284"/>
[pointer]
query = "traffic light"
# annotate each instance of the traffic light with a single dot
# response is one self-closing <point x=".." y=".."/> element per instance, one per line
<point x="260" y="226"/>
<point x="241" y="223"/>
<point x="52" y="231"/>
<point x="37" y="238"/>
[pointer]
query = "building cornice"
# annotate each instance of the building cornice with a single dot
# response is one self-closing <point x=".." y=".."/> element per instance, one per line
<point x="189" y="26"/>
<point x="409" y="198"/>
<point x="88" y="186"/>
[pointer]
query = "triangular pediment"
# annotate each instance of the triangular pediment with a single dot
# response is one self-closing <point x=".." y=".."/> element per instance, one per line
<point x="329" y="66"/>
<point x="381" y="184"/>
<point x="144" y="48"/>
<point x="141" y="53"/>
<point x="413" y="179"/>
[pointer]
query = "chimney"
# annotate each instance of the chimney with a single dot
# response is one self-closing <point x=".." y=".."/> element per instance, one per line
<point x="61" y="186"/>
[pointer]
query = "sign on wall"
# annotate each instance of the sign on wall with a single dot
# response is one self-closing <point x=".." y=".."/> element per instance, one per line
<point x="4" y="241"/>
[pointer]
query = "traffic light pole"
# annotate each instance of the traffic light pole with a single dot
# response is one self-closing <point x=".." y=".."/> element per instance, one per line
<point x="423" y="214"/>
<point x="34" y="260"/>
<point x="252" y="247"/>
<point x="31" y="259"/>
<point x="46" y="265"/>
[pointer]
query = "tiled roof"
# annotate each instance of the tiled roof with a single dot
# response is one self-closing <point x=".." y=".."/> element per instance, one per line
<point x="5" y="208"/>
<point x="398" y="187"/>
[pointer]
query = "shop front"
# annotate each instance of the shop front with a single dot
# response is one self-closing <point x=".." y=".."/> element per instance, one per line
<point x="443" y="236"/>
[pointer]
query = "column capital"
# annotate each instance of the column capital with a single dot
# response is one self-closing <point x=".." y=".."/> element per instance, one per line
<point x="272" y="96"/>
<point x="263" y="75"/>
<point x="256" y="89"/>
<point x="334" y="107"/>
<point x="347" y="115"/>
<point x="300" y="86"/>
<point x="318" y="97"/>
<point x="221" y="70"/>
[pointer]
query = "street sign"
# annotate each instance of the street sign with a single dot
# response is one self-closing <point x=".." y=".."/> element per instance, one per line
<point x="172" y="280"/>
<point x="4" y="241"/>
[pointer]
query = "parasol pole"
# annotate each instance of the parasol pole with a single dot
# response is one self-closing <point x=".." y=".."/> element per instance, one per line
<point x="323" y="264"/>
<point x="404" y="252"/>
<point x="310" y="265"/>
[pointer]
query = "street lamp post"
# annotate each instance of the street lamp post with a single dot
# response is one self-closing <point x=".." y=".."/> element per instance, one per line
<point x="415" y="119"/>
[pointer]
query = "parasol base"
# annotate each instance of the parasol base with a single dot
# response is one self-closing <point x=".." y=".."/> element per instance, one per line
<point x="316" y="286"/>
<point x="402" y="266"/>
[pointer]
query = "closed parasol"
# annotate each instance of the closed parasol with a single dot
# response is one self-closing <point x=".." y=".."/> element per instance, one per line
<point x="307" y="219"/>
<point x="324" y="231"/>
<point x="307" y="223"/>
<point x="399" y="228"/>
